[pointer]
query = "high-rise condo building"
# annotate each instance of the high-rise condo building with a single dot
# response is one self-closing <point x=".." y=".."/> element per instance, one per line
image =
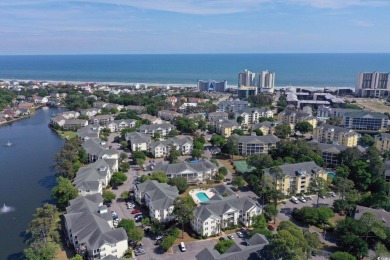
<point x="266" y="82"/>
<point x="246" y="78"/>
<point x="373" y="84"/>
<point x="212" y="85"/>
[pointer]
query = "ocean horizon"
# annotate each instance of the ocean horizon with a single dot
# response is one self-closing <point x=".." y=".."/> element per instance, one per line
<point x="291" y="69"/>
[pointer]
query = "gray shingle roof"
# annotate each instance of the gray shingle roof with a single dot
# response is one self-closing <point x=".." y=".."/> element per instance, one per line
<point x="90" y="131"/>
<point x="296" y="169"/>
<point x="236" y="251"/>
<point x="329" y="148"/>
<point x="98" y="148"/>
<point x="149" y="128"/>
<point x="85" y="221"/>
<point x="381" y="214"/>
<point x="138" y="138"/>
<point x="251" y="110"/>
<point x="364" y="114"/>
<point x="252" y="139"/>
<point x="89" y="177"/>
<point x="177" y="168"/>
<point x="161" y="195"/>
<point x="265" y="123"/>
<point x="336" y="129"/>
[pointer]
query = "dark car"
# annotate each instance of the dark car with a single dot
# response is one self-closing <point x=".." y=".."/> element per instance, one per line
<point x="158" y="241"/>
<point x="221" y="239"/>
<point x="135" y="211"/>
<point x="270" y="227"/>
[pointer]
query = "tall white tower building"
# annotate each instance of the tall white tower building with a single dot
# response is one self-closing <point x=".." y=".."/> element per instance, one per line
<point x="266" y="82"/>
<point x="246" y="78"/>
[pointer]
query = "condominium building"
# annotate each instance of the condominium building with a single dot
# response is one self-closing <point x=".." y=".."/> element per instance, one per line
<point x="217" y="115"/>
<point x="293" y="117"/>
<point x="157" y="197"/>
<point x="212" y="85"/>
<point x="246" y="78"/>
<point x="296" y="177"/>
<point x="328" y="111"/>
<point x="330" y="152"/>
<point x="194" y="172"/>
<point x="232" y="105"/>
<point x="211" y="216"/>
<point x="365" y="120"/>
<point x="89" y="228"/>
<point x="248" y="145"/>
<point x="225" y="127"/>
<point x="266" y="127"/>
<point x="326" y="133"/>
<point x="162" y="129"/>
<point x="162" y="148"/>
<point x="373" y="84"/>
<point x="252" y="115"/>
<point x="382" y="142"/>
<point x="266" y="82"/>
<point x="168" y="115"/>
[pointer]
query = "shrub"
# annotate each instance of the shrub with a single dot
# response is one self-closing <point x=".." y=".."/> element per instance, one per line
<point x="223" y="246"/>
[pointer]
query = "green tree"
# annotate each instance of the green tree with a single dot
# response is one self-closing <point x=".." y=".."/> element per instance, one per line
<point x="258" y="132"/>
<point x="238" y="181"/>
<point x="122" y="156"/>
<point x="139" y="155"/>
<point x="135" y="234"/>
<point x="173" y="155"/>
<point x="271" y="211"/>
<point x="77" y="257"/>
<point x="124" y="145"/>
<point x="145" y="221"/>
<point x="240" y="119"/>
<point x="118" y="178"/>
<point x="304" y="127"/>
<point x="167" y="242"/>
<point x="353" y="245"/>
<point x="223" y="246"/>
<point x="126" y="224"/>
<point x="173" y="133"/>
<point x="41" y="251"/>
<point x="183" y="210"/>
<point x="223" y="171"/>
<point x="367" y="140"/>
<point x="341" y="256"/>
<point x="217" y="140"/>
<point x="108" y="196"/>
<point x="180" y="182"/>
<point x="282" y="130"/>
<point x="157" y="136"/>
<point x="372" y="226"/>
<point x="64" y="192"/>
<point x="125" y="195"/>
<point x="157" y="176"/>
<point x="320" y="186"/>
<point x="260" y="161"/>
<point x="196" y="153"/>
<point x="186" y="125"/>
<point x="231" y="146"/>
<point x="202" y="125"/>
<point x="125" y="166"/>
<point x="156" y="226"/>
<point x="350" y="155"/>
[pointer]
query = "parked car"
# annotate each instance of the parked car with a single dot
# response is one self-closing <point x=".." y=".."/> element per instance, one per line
<point x="230" y="237"/>
<point x="247" y="232"/>
<point x="157" y="242"/>
<point x="332" y="194"/>
<point x="240" y="234"/>
<point x="307" y="198"/>
<point x="135" y="211"/>
<point x="294" y="200"/>
<point x="270" y="227"/>
<point x="159" y="237"/>
<point x="302" y="199"/>
<point x="221" y="239"/>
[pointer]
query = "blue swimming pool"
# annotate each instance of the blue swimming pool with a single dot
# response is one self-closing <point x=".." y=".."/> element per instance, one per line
<point x="202" y="196"/>
<point x="332" y="175"/>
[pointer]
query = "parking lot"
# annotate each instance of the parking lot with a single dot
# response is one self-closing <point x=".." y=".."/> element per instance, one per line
<point x="287" y="207"/>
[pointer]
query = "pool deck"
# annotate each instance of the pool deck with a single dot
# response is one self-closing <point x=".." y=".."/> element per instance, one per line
<point x="208" y="191"/>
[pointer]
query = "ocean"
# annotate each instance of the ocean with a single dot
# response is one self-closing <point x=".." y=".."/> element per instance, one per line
<point x="314" y="70"/>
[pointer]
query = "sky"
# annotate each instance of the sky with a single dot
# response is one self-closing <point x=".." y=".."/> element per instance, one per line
<point x="193" y="26"/>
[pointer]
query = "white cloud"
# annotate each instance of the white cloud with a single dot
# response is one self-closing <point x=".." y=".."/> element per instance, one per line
<point x="339" y="4"/>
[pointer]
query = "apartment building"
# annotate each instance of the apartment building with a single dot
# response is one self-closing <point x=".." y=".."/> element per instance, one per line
<point x="330" y="152"/>
<point x="138" y="141"/>
<point x="119" y="125"/>
<point x="217" y="115"/>
<point x="252" y="115"/>
<point x="158" y="198"/>
<point x="246" y="91"/>
<point x="162" y="129"/>
<point x="194" y="172"/>
<point x="88" y="132"/>
<point x="248" y="145"/>
<point x="382" y="142"/>
<point x="98" y="149"/>
<point x="212" y="216"/>
<point x="326" y="133"/>
<point x="162" y="148"/>
<point x="232" y="105"/>
<point x="267" y="127"/>
<point x="102" y="119"/>
<point x="365" y="120"/>
<point x="168" y="115"/>
<point x="225" y="127"/>
<point x="373" y="84"/>
<point x="297" y="176"/>
<point x="293" y="117"/>
<point x="89" y="228"/>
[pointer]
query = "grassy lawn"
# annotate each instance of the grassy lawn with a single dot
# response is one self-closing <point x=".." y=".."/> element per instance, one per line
<point x="66" y="134"/>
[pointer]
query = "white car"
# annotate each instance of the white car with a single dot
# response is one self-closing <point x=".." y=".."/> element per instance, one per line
<point x="240" y="234"/>
<point x="230" y="237"/>
<point x="302" y="199"/>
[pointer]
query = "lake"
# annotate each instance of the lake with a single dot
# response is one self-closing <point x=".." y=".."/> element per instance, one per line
<point x="27" y="175"/>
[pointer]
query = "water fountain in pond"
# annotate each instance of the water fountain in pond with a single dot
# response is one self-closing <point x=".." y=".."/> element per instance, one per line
<point x="6" y="209"/>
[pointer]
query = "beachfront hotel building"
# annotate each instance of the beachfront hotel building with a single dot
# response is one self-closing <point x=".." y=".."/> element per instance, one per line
<point x="373" y="84"/>
<point x="246" y="78"/>
<point x="212" y="85"/>
<point x="266" y="82"/>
